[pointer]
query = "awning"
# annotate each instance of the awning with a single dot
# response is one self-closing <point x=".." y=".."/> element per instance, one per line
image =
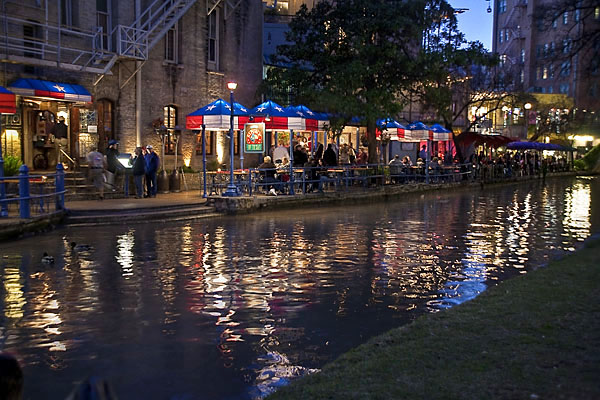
<point x="7" y="101"/>
<point x="51" y="90"/>
<point x="216" y="116"/>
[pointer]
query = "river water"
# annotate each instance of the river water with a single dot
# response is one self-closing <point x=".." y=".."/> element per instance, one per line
<point x="232" y="308"/>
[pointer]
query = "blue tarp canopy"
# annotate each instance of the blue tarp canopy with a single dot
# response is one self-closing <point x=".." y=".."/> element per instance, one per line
<point x="537" y="146"/>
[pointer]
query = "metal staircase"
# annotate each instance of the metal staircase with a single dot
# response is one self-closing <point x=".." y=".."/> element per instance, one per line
<point x="53" y="45"/>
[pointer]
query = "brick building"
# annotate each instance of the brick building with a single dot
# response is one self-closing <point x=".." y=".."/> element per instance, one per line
<point x="133" y="63"/>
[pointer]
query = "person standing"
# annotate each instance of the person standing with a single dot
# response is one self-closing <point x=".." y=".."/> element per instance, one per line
<point x="96" y="165"/>
<point x="112" y="162"/>
<point x="60" y="132"/>
<point x="152" y="163"/>
<point x="329" y="157"/>
<point x="139" y="170"/>
<point x="423" y="153"/>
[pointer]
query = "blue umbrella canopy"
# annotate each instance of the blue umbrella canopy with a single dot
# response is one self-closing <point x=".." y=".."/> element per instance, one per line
<point x="437" y="128"/>
<point x="221" y="107"/>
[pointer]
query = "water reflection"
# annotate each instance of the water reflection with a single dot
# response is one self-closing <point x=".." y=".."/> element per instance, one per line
<point x="234" y="308"/>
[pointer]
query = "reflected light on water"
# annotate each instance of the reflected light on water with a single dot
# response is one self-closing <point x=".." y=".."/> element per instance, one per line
<point x="577" y="212"/>
<point x="124" y="255"/>
<point x="14" y="297"/>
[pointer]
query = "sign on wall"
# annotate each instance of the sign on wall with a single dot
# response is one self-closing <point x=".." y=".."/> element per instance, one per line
<point x="254" y="138"/>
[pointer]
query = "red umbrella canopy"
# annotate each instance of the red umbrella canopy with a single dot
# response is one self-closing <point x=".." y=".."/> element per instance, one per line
<point x="8" y="103"/>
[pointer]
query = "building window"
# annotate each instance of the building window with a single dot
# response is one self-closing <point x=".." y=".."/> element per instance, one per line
<point x="565" y="69"/>
<point x="502" y="6"/>
<point x="69" y="12"/>
<point x="213" y="40"/>
<point x="210" y="139"/>
<point x="506" y="35"/>
<point x="538" y="73"/>
<point x="564" y="88"/>
<point x="565" y="18"/>
<point x="545" y="72"/>
<point x="522" y="76"/>
<point x="597" y="12"/>
<point x="103" y="21"/>
<point x="551" y="73"/>
<point x="501" y="36"/>
<point x="546" y="49"/>
<point x="554" y="23"/>
<point x="502" y="60"/>
<point x="522" y="56"/>
<point x="550" y="90"/>
<point x="170" y="121"/>
<point x="552" y="48"/>
<point x="577" y="15"/>
<point x="566" y="46"/>
<point x="172" y="45"/>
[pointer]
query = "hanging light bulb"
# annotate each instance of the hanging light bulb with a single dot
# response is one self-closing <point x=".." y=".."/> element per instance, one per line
<point x="489" y="9"/>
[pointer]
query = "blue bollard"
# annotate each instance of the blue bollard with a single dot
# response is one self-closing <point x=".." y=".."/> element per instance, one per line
<point x="60" y="187"/>
<point x="3" y="203"/>
<point x="24" y="211"/>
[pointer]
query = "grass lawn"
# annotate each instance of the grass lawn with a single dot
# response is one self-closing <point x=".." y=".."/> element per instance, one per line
<point x="536" y="336"/>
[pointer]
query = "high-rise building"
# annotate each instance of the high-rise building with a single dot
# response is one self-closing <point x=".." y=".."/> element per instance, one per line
<point x="547" y="53"/>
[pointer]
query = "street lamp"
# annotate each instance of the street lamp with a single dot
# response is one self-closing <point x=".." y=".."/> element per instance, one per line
<point x="232" y="189"/>
<point x="527" y="107"/>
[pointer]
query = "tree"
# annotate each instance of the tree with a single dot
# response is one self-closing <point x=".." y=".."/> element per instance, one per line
<point x="354" y="58"/>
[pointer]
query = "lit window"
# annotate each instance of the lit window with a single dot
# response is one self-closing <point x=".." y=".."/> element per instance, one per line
<point x="545" y="72"/>
<point x="522" y="76"/>
<point x="554" y="24"/>
<point x="597" y="12"/>
<point x="523" y="55"/>
<point x="577" y="16"/>
<point x="565" y="17"/>
<point x="551" y="70"/>
<point x="501" y="36"/>
<point x="506" y="35"/>
<point x="170" y="122"/>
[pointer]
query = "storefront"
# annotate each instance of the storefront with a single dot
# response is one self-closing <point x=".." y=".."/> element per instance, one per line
<point x="44" y="109"/>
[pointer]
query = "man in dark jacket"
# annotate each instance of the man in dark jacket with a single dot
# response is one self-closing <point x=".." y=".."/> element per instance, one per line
<point x="152" y="163"/>
<point x="329" y="157"/>
<point x="139" y="170"/>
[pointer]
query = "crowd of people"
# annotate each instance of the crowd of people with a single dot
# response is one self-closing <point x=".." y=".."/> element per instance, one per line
<point x="105" y="170"/>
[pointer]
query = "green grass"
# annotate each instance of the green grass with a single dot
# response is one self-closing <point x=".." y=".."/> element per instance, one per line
<point x="536" y="336"/>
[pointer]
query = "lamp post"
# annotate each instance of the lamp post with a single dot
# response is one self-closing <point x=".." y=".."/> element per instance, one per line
<point x="232" y="189"/>
<point x="527" y="107"/>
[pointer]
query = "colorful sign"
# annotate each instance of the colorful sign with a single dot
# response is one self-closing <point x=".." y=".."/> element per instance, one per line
<point x="254" y="138"/>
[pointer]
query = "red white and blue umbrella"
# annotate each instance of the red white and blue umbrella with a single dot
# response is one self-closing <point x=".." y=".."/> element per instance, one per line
<point x="276" y="117"/>
<point x="311" y="121"/>
<point x="440" y="133"/>
<point x="8" y="104"/>
<point x="216" y="116"/>
<point x="396" y="130"/>
<point x="419" y="131"/>
<point x="51" y="90"/>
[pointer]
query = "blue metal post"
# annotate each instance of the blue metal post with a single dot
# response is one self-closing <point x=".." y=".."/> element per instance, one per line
<point x="292" y="162"/>
<point x="232" y="189"/>
<point x="60" y="187"/>
<point x="3" y="204"/>
<point x="24" y="211"/>
<point x="204" y="159"/>
<point x="427" y="161"/>
<point x="241" y="147"/>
